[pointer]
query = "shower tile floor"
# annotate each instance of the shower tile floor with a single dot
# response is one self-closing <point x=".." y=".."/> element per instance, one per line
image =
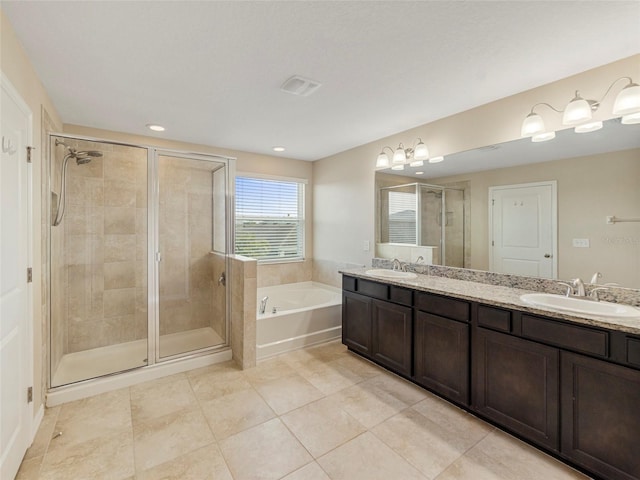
<point x="313" y="414"/>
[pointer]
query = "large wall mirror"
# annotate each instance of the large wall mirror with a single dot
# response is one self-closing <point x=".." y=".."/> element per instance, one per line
<point x="597" y="177"/>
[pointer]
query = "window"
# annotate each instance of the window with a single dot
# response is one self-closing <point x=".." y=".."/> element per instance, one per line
<point x="269" y="219"/>
<point x="402" y="217"/>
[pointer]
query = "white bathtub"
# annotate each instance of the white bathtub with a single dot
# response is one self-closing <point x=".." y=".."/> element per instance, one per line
<point x="306" y="313"/>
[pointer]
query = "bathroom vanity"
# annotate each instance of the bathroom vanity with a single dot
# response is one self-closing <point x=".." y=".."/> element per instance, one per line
<point x="568" y="384"/>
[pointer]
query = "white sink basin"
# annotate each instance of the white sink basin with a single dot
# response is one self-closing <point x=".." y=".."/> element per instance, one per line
<point x="571" y="304"/>
<point x="394" y="274"/>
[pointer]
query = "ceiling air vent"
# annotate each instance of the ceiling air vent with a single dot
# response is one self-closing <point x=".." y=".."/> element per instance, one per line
<point x="297" y="85"/>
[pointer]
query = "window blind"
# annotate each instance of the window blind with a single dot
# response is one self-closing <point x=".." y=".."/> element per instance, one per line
<point x="402" y="217"/>
<point x="269" y="219"/>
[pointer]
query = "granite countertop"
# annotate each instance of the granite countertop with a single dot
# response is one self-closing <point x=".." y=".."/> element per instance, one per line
<point x="499" y="296"/>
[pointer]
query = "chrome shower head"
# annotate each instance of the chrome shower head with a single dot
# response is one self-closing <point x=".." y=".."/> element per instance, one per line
<point x="85" y="157"/>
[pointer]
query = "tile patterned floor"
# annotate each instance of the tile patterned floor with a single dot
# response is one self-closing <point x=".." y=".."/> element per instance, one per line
<point x="315" y="414"/>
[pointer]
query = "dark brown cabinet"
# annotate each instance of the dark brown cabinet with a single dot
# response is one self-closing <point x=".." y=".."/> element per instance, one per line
<point x="570" y="388"/>
<point x="515" y="383"/>
<point x="441" y="356"/>
<point x="601" y="416"/>
<point x="391" y="345"/>
<point x="356" y="322"/>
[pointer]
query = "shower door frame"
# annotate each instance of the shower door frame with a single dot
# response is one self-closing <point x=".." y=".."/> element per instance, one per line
<point x="153" y="352"/>
<point x="153" y="246"/>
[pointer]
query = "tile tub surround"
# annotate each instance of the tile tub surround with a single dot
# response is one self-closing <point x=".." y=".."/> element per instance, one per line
<point x="497" y="295"/>
<point x="318" y="413"/>
<point x="629" y="296"/>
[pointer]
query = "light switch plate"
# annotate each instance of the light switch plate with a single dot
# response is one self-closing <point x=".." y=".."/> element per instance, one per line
<point x="365" y="245"/>
<point x="581" y="242"/>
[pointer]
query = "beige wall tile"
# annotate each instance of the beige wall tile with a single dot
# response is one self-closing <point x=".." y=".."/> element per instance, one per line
<point x="119" y="220"/>
<point x="119" y="275"/>
<point x="120" y="302"/>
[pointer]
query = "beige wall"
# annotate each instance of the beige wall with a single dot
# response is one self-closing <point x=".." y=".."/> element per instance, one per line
<point x="344" y="184"/>
<point x="589" y="189"/>
<point x="16" y="66"/>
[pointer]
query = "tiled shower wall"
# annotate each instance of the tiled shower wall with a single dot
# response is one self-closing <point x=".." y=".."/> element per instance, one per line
<point x="101" y="244"/>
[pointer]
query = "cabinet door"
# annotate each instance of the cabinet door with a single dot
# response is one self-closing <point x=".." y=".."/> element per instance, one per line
<point x="441" y="356"/>
<point x="515" y="383"/>
<point x="356" y="322"/>
<point x="392" y="336"/>
<point x="601" y="416"/>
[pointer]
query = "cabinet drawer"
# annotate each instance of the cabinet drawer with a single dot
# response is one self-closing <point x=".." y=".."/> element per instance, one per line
<point x="633" y="351"/>
<point x="373" y="289"/>
<point x="572" y="337"/>
<point x="443" y="306"/>
<point x="400" y="295"/>
<point x="494" y="318"/>
<point x="349" y="283"/>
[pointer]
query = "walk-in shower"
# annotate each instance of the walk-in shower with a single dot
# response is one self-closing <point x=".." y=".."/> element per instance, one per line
<point x="138" y="241"/>
<point x="421" y="220"/>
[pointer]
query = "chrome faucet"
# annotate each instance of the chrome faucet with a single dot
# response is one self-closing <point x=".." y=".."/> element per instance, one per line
<point x="397" y="265"/>
<point x="593" y="295"/>
<point x="578" y="285"/>
<point x="595" y="277"/>
<point x="420" y="259"/>
<point x="263" y="305"/>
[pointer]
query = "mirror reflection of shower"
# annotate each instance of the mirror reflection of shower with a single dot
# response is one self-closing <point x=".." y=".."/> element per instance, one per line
<point x="81" y="158"/>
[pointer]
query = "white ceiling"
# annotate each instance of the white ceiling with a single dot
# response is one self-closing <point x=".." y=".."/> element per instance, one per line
<point x="210" y="71"/>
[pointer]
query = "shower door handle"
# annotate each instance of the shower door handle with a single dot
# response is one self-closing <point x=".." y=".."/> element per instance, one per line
<point x="222" y="280"/>
<point x="158" y="257"/>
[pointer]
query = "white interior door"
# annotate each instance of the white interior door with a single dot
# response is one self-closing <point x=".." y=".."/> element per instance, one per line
<point x="15" y="322"/>
<point x="523" y="228"/>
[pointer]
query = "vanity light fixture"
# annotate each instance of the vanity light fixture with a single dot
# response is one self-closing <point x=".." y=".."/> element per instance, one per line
<point x="415" y="156"/>
<point x="579" y="112"/>
<point x="155" y="127"/>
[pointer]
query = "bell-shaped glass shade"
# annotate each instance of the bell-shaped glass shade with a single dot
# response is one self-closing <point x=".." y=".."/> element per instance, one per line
<point x="578" y="111"/>
<point x="418" y="163"/>
<point x="436" y="159"/>
<point x="532" y="125"/>
<point x="631" y="119"/>
<point x="421" y="152"/>
<point x="588" y="127"/>
<point x="628" y="100"/>
<point x="543" y="137"/>
<point x="382" y="161"/>
<point x="399" y="156"/>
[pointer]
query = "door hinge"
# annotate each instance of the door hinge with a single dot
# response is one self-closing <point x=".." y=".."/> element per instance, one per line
<point x="29" y="149"/>
<point x="493" y="201"/>
<point x="29" y="394"/>
<point x="29" y="275"/>
<point x="492" y="243"/>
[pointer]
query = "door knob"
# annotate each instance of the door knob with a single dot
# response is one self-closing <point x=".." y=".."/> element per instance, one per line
<point x="547" y="255"/>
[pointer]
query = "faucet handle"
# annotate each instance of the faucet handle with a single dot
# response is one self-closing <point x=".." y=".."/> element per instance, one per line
<point x="595" y="277"/>
<point x="594" y="293"/>
<point x="569" y="291"/>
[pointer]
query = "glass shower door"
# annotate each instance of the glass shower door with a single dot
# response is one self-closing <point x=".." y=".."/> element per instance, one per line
<point x="191" y="254"/>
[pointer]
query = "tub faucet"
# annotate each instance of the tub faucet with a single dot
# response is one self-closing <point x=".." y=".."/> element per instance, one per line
<point x="263" y="305"/>
<point x="420" y="259"/>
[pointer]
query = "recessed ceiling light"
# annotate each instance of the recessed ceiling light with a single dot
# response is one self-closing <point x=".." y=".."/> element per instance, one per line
<point x="155" y="128"/>
<point x="278" y="149"/>
<point x="436" y="159"/>
<point x="419" y="173"/>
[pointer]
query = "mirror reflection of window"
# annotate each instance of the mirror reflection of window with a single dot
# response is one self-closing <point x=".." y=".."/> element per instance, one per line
<point x="402" y="218"/>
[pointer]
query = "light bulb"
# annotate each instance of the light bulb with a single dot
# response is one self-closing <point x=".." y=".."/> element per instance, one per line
<point x="578" y="111"/>
<point x="628" y="100"/>
<point x="398" y="167"/>
<point x="543" y="137"/>
<point x="419" y="163"/>
<point x="588" y="127"/>
<point x="532" y="125"/>
<point x="382" y="161"/>
<point x="436" y="159"/>
<point x="399" y="156"/>
<point x="421" y="151"/>
<point x="631" y="119"/>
